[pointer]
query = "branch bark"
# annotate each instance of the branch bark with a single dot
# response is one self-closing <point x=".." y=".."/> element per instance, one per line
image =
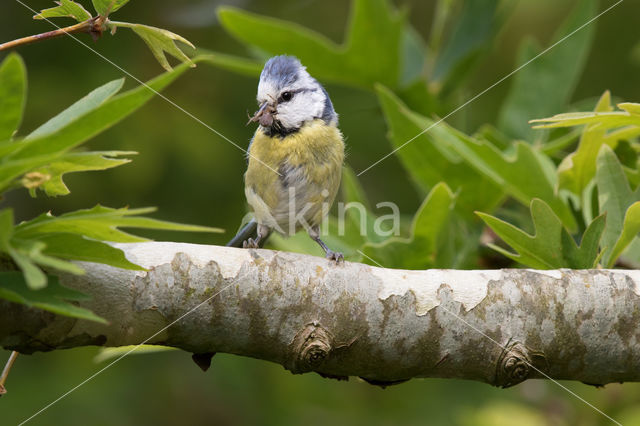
<point x="495" y="326"/>
<point x="93" y="26"/>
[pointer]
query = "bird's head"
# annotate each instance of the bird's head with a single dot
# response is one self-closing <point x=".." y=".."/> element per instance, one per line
<point x="288" y="97"/>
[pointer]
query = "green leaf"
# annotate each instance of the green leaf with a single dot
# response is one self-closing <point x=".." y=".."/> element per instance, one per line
<point x="77" y="247"/>
<point x="493" y="136"/>
<point x="419" y="250"/>
<point x="604" y="120"/>
<point x="248" y="67"/>
<point x="34" y="277"/>
<point x="347" y="243"/>
<point x="578" y="168"/>
<point x="551" y="246"/>
<point x="23" y="254"/>
<point x="34" y="250"/>
<point x="105" y="7"/>
<point x="65" y="8"/>
<point x="525" y="174"/>
<point x="473" y="30"/>
<point x="106" y="354"/>
<point x="159" y="41"/>
<point x="614" y="197"/>
<point x="10" y="170"/>
<point x="631" y="108"/>
<point x="6" y="228"/>
<point x="374" y="27"/>
<point x="554" y="74"/>
<point x="13" y="90"/>
<point x="42" y="150"/>
<point x="53" y="185"/>
<point x="557" y="145"/>
<point x="630" y="229"/>
<point x="413" y="57"/>
<point x="352" y="191"/>
<point x="357" y="208"/>
<point x="100" y="223"/>
<point x="85" y="105"/>
<point x="53" y="298"/>
<point x="633" y="175"/>
<point x="430" y="160"/>
<point x="418" y="98"/>
<point x="587" y="255"/>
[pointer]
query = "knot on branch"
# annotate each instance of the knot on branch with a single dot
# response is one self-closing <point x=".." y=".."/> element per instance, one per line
<point x="514" y="365"/>
<point x="96" y="27"/>
<point x="308" y="350"/>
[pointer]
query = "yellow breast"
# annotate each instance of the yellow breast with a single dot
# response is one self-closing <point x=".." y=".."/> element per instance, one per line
<point x="316" y="151"/>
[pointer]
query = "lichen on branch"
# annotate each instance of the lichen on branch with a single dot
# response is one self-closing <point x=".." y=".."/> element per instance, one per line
<point x="387" y="326"/>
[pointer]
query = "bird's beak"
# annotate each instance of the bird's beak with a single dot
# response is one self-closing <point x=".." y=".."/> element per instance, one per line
<point x="264" y="115"/>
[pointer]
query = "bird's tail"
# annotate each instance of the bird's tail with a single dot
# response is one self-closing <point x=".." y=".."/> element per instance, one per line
<point x="247" y="231"/>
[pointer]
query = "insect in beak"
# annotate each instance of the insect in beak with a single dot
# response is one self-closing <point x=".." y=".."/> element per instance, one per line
<point x="264" y="115"/>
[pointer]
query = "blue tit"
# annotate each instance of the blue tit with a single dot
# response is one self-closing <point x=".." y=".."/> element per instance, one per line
<point x="295" y="157"/>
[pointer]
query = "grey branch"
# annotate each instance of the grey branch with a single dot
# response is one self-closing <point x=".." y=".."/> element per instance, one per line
<point x="386" y="326"/>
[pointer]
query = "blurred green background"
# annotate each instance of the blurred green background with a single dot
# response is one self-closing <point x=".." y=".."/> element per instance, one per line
<point x="194" y="176"/>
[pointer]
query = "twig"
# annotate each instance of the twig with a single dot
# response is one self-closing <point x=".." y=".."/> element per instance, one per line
<point x="5" y="372"/>
<point x="93" y="26"/>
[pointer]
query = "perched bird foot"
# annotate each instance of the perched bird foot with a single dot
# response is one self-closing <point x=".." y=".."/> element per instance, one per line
<point x="335" y="256"/>
<point x="250" y="243"/>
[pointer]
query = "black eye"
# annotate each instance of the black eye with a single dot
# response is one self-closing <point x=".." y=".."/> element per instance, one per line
<point x="286" y="96"/>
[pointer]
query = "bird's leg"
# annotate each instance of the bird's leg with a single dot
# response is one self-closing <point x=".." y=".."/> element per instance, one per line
<point x="314" y="233"/>
<point x="5" y="371"/>
<point x="263" y="233"/>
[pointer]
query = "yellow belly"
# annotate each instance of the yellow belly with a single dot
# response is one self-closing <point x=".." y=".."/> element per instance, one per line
<point x="309" y="165"/>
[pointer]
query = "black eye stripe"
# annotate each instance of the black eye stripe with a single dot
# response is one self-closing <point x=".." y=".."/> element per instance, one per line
<point x="282" y="98"/>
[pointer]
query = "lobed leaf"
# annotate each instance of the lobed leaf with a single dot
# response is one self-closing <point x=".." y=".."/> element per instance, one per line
<point x="630" y="230"/>
<point x="43" y="149"/>
<point x="106" y="7"/>
<point x="34" y="249"/>
<point x="54" y="298"/>
<point x="420" y="249"/>
<point x="33" y="276"/>
<point x="77" y="247"/>
<point x="357" y="208"/>
<point x="604" y="120"/>
<point x="52" y="183"/>
<point x="160" y="42"/>
<point x="615" y="197"/>
<point x="471" y="33"/>
<point x="91" y="101"/>
<point x="430" y="159"/>
<point x="88" y="103"/>
<point x="100" y="223"/>
<point x="248" y="67"/>
<point x="631" y="108"/>
<point x="524" y="174"/>
<point x="578" y="168"/>
<point x="412" y="57"/>
<point x="13" y="90"/>
<point x="551" y="246"/>
<point x="554" y="74"/>
<point x="65" y="8"/>
<point x="374" y="27"/>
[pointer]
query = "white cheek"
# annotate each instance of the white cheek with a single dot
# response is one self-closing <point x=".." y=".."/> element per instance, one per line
<point x="304" y="107"/>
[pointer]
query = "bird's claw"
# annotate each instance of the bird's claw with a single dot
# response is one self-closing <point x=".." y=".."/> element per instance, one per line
<point x="335" y="256"/>
<point x="250" y="243"/>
